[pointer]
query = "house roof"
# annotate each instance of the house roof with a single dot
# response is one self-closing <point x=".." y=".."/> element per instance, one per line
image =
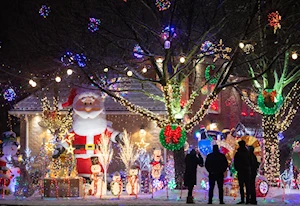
<point x="134" y="92"/>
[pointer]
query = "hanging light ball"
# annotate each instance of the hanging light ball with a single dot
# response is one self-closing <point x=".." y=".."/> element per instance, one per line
<point x="182" y="60"/>
<point x="105" y="69"/>
<point x="33" y="83"/>
<point x="129" y="73"/>
<point x="57" y="79"/>
<point x="69" y="71"/>
<point x="144" y="70"/>
<point x="241" y="45"/>
<point x="294" y="56"/>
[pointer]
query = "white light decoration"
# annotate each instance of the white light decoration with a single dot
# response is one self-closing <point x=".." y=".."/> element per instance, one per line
<point x="159" y="60"/>
<point x="182" y="60"/>
<point x="105" y="69"/>
<point x="294" y="56"/>
<point x="241" y="45"/>
<point x="144" y="70"/>
<point x="129" y="73"/>
<point x="57" y="79"/>
<point x="69" y="71"/>
<point x="31" y="81"/>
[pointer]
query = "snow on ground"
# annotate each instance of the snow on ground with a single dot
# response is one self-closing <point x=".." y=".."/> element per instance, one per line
<point x="274" y="197"/>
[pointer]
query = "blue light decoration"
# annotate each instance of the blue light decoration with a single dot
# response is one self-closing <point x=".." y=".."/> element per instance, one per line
<point x="163" y="5"/>
<point x="94" y="24"/>
<point x="80" y="59"/>
<point x="67" y="59"/>
<point x="205" y="146"/>
<point x="138" y="52"/>
<point x="198" y="134"/>
<point x="9" y="95"/>
<point x="280" y="136"/>
<point x="207" y="48"/>
<point x="168" y="33"/>
<point x="44" y="11"/>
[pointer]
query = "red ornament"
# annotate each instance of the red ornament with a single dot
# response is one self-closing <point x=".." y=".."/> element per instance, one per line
<point x="172" y="136"/>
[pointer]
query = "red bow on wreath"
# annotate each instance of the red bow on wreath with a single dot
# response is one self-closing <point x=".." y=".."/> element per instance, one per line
<point x="172" y="136"/>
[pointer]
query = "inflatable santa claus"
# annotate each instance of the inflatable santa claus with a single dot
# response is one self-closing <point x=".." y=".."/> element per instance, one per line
<point x="89" y="125"/>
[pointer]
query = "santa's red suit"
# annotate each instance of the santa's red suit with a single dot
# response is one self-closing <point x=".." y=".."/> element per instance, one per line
<point x="89" y="125"/>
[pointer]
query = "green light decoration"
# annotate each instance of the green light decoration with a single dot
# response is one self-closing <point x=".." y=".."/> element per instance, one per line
<point x="233" y="170"/>
<point x="172" y="184"/>
<point x="172" y="137"/>
<point x="276" y="99"/>
<point x="208" y="71"/>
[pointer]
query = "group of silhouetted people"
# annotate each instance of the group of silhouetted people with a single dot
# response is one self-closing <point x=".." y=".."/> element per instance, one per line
<point x="245" y="163"/>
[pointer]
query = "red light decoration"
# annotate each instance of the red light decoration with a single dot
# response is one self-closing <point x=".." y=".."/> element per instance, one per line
<point x="244" y="114"/>
<point x="274" y="20"/>
<point x="251" y="114"/>
<point x="214" y="105"/>
<point x="172" y="135"/>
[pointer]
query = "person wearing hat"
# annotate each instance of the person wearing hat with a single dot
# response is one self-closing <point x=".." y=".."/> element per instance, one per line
<point x="216" y="164"/>
<point x="242" y="166"/>
<point x="89" y="126"/>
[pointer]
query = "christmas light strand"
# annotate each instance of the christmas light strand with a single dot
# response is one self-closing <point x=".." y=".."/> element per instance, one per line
<point x="251" y="105"/>
<point x="201" y="113"/>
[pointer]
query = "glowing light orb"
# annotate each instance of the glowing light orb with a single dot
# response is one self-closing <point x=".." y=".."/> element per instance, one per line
<point x="44" y="11"/>
<point x="129" y="73"/>
<point x="9" y="95"/>
<point x="138" y="52"/>
<point x="94" y="24"/>
<point x="294" y="56"/>
<point x="69" y="71"/>
<point x="57" y="79"/>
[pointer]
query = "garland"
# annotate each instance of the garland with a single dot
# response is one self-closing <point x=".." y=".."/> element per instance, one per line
<point x="208" y="71"/>
<point x="172" y="137"/>
<point x="269" y="93"/>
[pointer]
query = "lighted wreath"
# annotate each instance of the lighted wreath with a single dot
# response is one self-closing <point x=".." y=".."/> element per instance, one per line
<point x="172" y="137"/>
<point x="209" y="70"/>
<point x="269" y="95"/>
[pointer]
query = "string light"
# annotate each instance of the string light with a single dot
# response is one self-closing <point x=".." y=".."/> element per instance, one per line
<point x="144" y="70"/>
<point x="241" y="45"/>
<point x="129" y="73"/>
<point x="105" y="69"/>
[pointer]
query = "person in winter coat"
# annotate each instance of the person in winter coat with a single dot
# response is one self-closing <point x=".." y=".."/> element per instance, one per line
<point x="216" y="164"/>
<point x="254" y="165"/>
<point x="242" y="166"/>
<point x="192" y="160"/>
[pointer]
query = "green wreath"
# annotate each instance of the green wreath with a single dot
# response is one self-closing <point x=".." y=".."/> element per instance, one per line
<point x="172" y="137"/>
<point x="269" y="110"/>
<point x="208" y="71"/>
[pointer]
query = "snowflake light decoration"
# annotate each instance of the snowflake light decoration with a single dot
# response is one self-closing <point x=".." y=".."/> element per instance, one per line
<point x="94" y="24"/>
<point x="274" y="20"/>
<point x="172" y="184"/>
<point x="168" y="33"/>
<point x="44" y="11"/>
<point x="207" y="48"/>
<point x="221" y="52"/>
<point x="80" y="59"/>
<point x="138" y="52"/>
<point x="157" y="184"/>
<point x="67" y="59"/>
<point x="9" y="95"/>
<point x="163" y="5"/>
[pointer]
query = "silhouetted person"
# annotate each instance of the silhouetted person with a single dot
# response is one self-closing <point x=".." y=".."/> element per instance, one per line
<point x="254" y="165"/>
<point x="192" y="160"/>
<point x="216" y="164"/>
<point x="242" y="166"/>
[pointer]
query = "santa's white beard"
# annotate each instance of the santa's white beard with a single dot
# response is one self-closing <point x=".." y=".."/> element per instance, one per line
<point x="89" y="126"/>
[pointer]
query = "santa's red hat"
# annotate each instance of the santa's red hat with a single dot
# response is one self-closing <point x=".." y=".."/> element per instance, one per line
<point x="77" y="93"/>
<point x="71" y="97"/>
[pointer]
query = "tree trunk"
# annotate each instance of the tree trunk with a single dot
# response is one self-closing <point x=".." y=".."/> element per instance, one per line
<point x="271" y="152"/>
<point x="179" y="167"/>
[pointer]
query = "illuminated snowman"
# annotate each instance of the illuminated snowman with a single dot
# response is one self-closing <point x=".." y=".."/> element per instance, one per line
<point x="97" y="186"/>
<point x="132" y="186"/>
<point x="116" y="185"/>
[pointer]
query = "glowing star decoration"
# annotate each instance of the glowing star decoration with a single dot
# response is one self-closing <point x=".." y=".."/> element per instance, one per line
<point x="44" y="11"/>
<point x="67" y="59"/>
<point x="142" y="145"/>
<point x="168" y="33"/>
<point x="94" y="24"/>
<point x="274" y="20"/>
<point x="138" y="52"/>
<point x="163" y="5"/>
<point x="172" y="184"/>
<point x="9" y="95"/>
<point x="70" y="150"/>
<point x="80" y="59"/>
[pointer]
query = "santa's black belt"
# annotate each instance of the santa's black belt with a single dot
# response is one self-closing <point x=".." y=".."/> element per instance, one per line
<point x="86" y="146"/>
